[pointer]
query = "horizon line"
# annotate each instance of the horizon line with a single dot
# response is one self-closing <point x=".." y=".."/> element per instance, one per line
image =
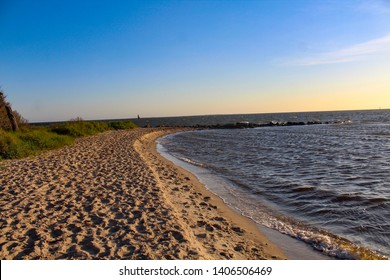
<point x="207" y="115"/>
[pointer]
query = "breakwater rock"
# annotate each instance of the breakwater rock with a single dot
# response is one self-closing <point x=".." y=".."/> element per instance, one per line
<point x="240" y="125"/>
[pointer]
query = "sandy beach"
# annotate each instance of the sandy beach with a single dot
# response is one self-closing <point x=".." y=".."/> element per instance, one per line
<point x="112" y="196"/>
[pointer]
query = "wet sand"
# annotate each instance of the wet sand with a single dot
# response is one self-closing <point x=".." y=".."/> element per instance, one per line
<point x="112" y="196"/>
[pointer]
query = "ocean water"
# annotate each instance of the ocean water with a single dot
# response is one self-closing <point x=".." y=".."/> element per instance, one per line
<point x="327" y="185"/>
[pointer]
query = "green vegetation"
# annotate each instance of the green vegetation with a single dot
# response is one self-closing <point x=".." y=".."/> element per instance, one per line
<point x="18" y="139"/>
<point x="31" y="140"/>
<point x="122" y="125"/>
<point x="78" y="127"/>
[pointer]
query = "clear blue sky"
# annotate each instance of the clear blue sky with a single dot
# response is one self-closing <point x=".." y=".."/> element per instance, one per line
<point x="118" y="59"/>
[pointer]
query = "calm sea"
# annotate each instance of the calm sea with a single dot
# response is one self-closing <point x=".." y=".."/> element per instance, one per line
<point x="327" y="185"/>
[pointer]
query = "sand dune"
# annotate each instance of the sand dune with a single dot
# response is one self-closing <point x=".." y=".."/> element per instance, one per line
<point x="111" y="196"/>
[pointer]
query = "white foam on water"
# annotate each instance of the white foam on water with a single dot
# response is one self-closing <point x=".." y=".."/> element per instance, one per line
<point x="293" y="248"/>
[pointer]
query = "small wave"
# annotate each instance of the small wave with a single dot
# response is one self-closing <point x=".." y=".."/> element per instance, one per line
<point x="348" y="197"/>
<point x="303" y="189"/>
<point x="360" y="199"/>
<point x="382" y="133"/>
<point x="342" y="122"/>
<point x="377" y="200"/>
<point x="329" y="244"/>
<point x="190" y="161"/>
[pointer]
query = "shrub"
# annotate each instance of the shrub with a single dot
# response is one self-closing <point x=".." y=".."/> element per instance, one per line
<point x="80" y="128"/>
<point x="8" y="142"/>
<point x="43" y="139"/>
<point x="30" y="142"/>
<point x="122" y="125"/>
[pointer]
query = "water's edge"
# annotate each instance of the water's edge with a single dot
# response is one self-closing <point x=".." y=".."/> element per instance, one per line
<point x="293" y="249"/>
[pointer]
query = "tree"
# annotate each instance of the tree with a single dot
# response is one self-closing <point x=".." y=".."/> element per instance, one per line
<point x="9" y="119"/>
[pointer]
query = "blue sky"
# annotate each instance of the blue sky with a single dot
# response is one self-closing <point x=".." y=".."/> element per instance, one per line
<point x="117" y="59"/>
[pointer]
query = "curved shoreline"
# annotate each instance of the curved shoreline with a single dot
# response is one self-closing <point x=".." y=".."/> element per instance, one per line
<point x="112" y="196"/>
<point x="236" y="235"/>
<point x="293" y="248"/>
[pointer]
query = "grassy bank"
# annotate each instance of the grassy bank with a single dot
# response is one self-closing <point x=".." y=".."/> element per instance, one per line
<point x="33" y="140"/>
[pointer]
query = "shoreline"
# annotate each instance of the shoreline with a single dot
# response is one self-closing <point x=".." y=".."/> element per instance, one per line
<point x="292" y="248"/>
<point x="199" y="207"/>
<point x="112" y="196"/>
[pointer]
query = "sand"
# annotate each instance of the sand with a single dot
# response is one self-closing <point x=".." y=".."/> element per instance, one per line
<point x="112" y="196"/>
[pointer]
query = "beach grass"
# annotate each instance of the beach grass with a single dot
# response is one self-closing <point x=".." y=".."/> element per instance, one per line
<point x="78" y="127"/>
<point x="32" y="140"/>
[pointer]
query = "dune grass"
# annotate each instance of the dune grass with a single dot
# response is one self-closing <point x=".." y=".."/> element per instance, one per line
<point x="33" y="140"/>
<point x="79" y="128"/>
<point x="30" y="142"/>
